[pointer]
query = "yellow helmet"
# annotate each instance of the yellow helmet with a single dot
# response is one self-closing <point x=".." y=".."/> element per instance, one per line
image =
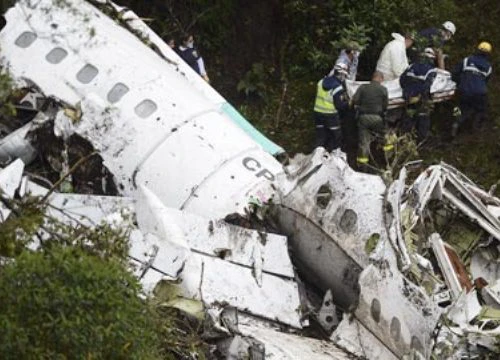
<point x="484" y="47"/>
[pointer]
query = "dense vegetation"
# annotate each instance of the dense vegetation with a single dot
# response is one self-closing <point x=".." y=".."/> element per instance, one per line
<point x="76" y="297"/>
<point x="68" y="304"/>
<point x="266" y="57"/>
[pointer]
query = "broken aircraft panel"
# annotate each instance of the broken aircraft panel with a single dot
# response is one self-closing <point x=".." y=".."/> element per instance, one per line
<point x="280" y="345"/>
<point x="216" y="238"/>
<point x="396" y="311"/>
<point x="274" y="297"/>
<point x="329" y="235"/>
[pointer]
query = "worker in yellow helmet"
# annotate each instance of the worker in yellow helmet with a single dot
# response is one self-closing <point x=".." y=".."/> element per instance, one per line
<point x="472" y="75"/>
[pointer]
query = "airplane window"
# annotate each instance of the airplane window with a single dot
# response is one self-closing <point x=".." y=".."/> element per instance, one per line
<point x="87" y="73"/>
<point x="117" y="92"/>
<point x="375" y="310"/>
<point x="417" y="345"/>
<point x="145" y="108"/>
<point x="395" y="328"/>
<point x="25" y="39"/>
<point x="56" y="55"/>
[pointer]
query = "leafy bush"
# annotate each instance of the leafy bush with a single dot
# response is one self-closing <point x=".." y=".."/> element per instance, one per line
<point x="254" y="81"/>
<point x="67" y="304"/>
<point x="17" y="231"/>
<point x="29" y="220"/>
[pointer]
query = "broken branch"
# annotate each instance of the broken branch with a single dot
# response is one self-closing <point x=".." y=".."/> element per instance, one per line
<point x="73" y="168"/>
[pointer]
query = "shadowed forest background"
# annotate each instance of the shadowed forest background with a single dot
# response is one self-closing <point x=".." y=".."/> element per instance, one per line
<point x="265" y="57"/>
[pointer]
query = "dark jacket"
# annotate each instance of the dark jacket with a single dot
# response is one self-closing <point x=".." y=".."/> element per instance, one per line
<point x="417" y="79"/>
<point x="371" y="98"/>
<point x="190" y="56"/>
<point x="338" y="92"/>
<point x="472" y="75"/>
<point x="430" y="37"/>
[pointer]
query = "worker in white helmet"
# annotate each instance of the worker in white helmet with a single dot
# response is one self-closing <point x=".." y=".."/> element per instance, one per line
<point x="436" y="38"/>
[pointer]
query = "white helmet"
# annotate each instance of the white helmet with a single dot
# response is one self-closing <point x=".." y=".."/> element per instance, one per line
<point x="341" y="68"/>
<point x="448" y="25"/>
<point x="429" y="53"/>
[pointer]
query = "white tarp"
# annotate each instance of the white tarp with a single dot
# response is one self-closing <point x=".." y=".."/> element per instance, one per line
<point x="442" y="88"/>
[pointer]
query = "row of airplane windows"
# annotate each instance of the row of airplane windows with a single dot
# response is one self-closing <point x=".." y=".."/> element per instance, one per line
<point x="87" y="73"/>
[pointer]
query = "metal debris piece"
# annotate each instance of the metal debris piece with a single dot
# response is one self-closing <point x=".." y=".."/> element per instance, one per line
<point x="281" y="345"/>
<point x="491" y="294"/>
<point x="363" y="344"/>
<point x="464" y="309"/>
<point x="10" y="178"/>
<point x="16" y="146"/>
<point x="446" y="265"/>
<point x="399" y="313"/>
<point x="327" y="314"/>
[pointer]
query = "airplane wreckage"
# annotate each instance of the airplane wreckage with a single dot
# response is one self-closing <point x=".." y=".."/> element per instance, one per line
<point x="389" y="271"/>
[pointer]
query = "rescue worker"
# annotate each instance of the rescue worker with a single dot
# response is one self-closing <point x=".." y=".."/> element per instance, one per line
<point x="472" y="75"/>
<point x="436" y="38"/>
<point x="171" y="43"/>
<point x="330" y="98"/>
<point x="393" y="61"/>
<point x="371" y="102"/>
<point x="416" y="84"/>
<point x="350" y="57"/>
<point x="190" y="55"/>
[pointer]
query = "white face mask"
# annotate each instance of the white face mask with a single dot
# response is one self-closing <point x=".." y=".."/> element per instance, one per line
<point x="190" y="44"/>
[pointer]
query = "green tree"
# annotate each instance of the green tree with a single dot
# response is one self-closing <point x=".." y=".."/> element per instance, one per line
<point x="67" y="304"/>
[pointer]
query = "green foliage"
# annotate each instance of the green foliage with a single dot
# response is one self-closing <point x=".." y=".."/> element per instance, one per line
<point x="21" y="225"/>
<point x="255" y="81"/>
<point x="104" y="240"/>
<point x="180" y="335"/>
<point x="67" y="304"/>
<point x="208" y="20"/>
<point x="286" y="117"/>
<point x="29" y="219"/>
<point x="330" y="24"/>
<point x="405" y="150"/>
<point x="354" y="36"/>
<point x="5" y="4"/>
<point x="6" y="93"/>
<point x="371" y="243"/>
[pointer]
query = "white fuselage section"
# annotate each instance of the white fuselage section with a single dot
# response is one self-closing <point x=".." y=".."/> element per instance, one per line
<point x="153" y="121"/>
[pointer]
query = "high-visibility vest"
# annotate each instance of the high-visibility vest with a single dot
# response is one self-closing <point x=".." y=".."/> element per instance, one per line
<point x="324" y="100"/>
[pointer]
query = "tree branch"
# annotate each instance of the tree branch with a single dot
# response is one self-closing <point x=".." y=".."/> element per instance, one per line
<point x="73" y="168"/>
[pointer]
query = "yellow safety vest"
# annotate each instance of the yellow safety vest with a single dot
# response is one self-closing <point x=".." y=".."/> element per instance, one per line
<point x="324" y="100"/>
